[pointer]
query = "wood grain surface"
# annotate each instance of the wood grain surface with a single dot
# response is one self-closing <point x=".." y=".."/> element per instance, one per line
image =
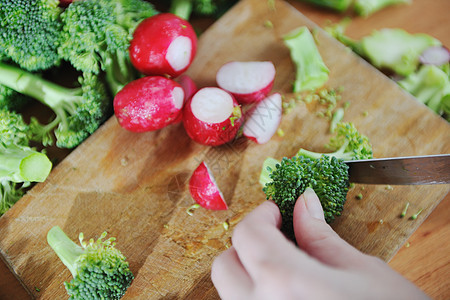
<point x="134" y="185"/>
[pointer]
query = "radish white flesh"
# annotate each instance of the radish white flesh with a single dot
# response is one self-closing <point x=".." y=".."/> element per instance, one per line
<point x="436" y="55"/>
<point x="249" y="81"/>
<point x="204" y="189"/>
<point x="212" y="116"/>
<point x="263" y="120"/>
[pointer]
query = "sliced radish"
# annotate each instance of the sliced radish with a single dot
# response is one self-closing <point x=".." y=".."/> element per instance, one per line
<point x="164" y="44"/>
<point x="148" y="103"/>
<point x="249" y="81"/>
<point x="189" y="88"/>
<point x="263" y="120"/>
<point x="436" y="55"/>
<point x="212" y="116"/>
<point x="204" y="189"/>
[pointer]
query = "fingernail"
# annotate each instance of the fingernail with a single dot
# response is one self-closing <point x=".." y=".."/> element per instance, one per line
<point x="313" y="204"/>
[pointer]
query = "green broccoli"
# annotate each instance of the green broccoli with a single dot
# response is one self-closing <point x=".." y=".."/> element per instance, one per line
<point x="99" y="270"/>
<point x="337" y="5"/>
<point x="391" y="49"/>
<point x="212" y="8"/>
<point x="19" y="163"/>
<point x="96" y="37"/>
<point x="368" y="7"/>
<point x="347" y="143"/>
<point x="79" y="111"/>
<point x="311" y="71"/>
<point x="429" y="85"/>
<point x="12" y="100"/>
<point x="30" y="33"/>
<point x="327" y="176"/>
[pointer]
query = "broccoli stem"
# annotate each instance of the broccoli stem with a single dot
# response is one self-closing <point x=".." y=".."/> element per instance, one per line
<point x="340" y="153"/>
<point x="23" y="164"/>
<point x="368" y="7"/>
<point x="48" y="93"/>
<point x="181" y="8"/>
<point x="65" y="248"/>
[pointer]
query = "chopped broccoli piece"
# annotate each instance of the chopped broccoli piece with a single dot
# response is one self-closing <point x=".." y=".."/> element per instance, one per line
<point x="213" y="8"/>
<point x="311" y="71"/>
<point x="430" y="85"/>
<point x="338" y="5"/>
<point x="19" y="163"/>
<point x="96" y="37"/>
<point x="347" y="144"/>
<point x="327" y="176"/>
<point x="99" y="270"/>
<point x="30" y="32"/>
<point x="393" y="49"/>
<point x="368" y="7"/>
<point x="79" y="111"/>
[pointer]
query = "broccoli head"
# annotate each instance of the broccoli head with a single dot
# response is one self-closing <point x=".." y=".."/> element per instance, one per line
<point x="96" y="36"/>
<point x="30" y="33"/>
<point x="19" y="163"/>
<point x="327" y="176"/>
<point x="99" y="270"/>
<point x="79" y="111"/>
<point x="347" y="144"/>
<point x="12" y="100"/>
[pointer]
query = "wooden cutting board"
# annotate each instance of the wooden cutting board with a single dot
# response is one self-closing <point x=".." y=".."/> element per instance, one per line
<point x="134" y="185"/>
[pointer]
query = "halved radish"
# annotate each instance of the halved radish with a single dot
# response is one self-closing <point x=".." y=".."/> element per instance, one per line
<point x="204" y="189"/>
<point x="164" y="44"/>
<point x="249" y="81"/>
<point x="189" y="88"/>
<point x="263" y="120"/>
<point x="212" y="116"/>
<point x="148" y="103"/>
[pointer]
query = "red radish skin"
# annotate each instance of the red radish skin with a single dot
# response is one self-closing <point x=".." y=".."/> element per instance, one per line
<point x="204" y="189"/>
<point x="149" y="103"/>
<point x="212" y="117"/>
<point x="164" y="44"/>
<point x="262" y="121"/>
<point x="249" y="81"/>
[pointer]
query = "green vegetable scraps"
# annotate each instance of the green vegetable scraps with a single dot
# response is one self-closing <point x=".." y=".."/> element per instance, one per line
<point x="405" y="209"/>
<point x="190" y="209"/>
<point x="99" y="270"/>
<point x="311" y="71"/>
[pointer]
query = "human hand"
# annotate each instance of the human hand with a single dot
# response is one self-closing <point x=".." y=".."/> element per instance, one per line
<point x="263" y="264"/>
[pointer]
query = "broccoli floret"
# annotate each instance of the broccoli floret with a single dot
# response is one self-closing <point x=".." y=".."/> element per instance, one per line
<point x="96" y="37"/>
<point x="430" y="85"/>
<point x="79" y="111"/>
<point x="368" y="7"/>
<point x="327" y="176"/>
<point x="99" y="270"/>
<point x="347" y="144"/>
<point x="19" y="164"/>
<point x="12" y="100"/>
<point x="311" y="71"/>
<point x="30" y="32"/>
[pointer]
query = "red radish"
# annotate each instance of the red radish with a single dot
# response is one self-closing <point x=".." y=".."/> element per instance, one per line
<point x="249" y="81"/>
<point x="263" y="120"/>
<point x="204" y="189"/>
<point x="148" y="103"/>
<point x="189" y="88"/>
<point x="435" y="55"/>
<point x="164" y="44"/>
<point x="212" y="116"/>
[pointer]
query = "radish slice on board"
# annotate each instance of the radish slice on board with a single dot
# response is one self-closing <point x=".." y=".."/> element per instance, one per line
<point x="189" y="88"/>
<point x="148" y="103"/>
<point x="263" y="120"/>
<point x="204" y="189"/>
<point x="436" y="55"/>
<point x="249" y="81"/>
<point x="164" y="44"/>
<point x="212" y="117"/>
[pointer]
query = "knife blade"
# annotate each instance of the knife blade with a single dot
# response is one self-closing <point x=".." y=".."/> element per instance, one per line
<point x="409" y="170"/>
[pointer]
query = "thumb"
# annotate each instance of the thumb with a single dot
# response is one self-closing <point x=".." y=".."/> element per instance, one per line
<point x="317" y="238"/>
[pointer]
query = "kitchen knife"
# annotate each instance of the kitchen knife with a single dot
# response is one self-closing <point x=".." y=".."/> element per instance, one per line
<point x="410" y="170"/>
